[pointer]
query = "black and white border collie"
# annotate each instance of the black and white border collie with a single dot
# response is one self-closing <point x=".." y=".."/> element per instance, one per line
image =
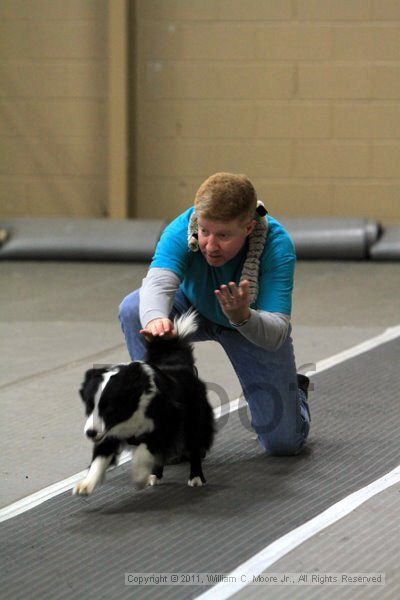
<point x="160" y="406"/>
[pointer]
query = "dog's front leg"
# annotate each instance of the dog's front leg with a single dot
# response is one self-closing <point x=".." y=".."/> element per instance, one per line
<point x="196" y="477"/>
<point x="156" y="475"/>
<point x="143" y="462"/>
<point x="103" y="454"/>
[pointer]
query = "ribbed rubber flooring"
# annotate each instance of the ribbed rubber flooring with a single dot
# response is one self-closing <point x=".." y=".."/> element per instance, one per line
<point x="72" y="548"/>
<point x="365" y="541"/>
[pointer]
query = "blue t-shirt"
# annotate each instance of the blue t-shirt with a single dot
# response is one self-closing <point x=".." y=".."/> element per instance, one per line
<point x="199" y="279"/>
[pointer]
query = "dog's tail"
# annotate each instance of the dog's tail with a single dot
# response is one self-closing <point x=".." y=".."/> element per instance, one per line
<point x="186" y="324"/>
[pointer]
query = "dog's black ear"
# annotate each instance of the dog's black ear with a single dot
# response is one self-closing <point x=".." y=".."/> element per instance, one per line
<point x="88" y="386"/>
<point x="95" y="372"/>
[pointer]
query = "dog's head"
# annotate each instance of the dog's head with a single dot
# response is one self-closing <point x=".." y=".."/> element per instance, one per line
<point x="116" y="400"/>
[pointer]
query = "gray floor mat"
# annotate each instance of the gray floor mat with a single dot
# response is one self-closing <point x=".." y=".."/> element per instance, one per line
<point x="135" y="239"/>
<point x="81" y="239"/>
<point x="331" y="237"/>
<point x="70" y="547"/>
<point x="388" y="246"/>
<point x="365" y="541"/>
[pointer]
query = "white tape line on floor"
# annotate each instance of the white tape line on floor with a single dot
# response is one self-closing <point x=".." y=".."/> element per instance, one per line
<point x="261" y="561"/>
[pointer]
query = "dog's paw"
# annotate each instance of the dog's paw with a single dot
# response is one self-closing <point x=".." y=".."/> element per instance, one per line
<point x="196" y="482"/>
<point x="140" y="483"/>
<point x="83" y="488"/>
<point x="153" y="480"/>
<point x="141" y="478"/>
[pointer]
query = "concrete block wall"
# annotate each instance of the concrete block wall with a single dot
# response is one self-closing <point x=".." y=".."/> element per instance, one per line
<point x="53" y="107"/>
<point x="301" y="95"/>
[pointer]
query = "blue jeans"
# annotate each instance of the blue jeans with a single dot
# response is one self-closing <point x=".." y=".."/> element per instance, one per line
<point x="279" y="410"/>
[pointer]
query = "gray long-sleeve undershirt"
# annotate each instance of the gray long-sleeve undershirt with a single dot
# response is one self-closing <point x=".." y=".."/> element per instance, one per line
<point x="265" y="329"/>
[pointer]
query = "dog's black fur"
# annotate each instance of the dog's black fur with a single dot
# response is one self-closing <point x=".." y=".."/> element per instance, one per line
<point x="159" y="405"/>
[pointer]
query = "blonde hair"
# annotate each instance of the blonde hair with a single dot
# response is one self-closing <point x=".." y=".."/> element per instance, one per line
<point x="226" y="196"/>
